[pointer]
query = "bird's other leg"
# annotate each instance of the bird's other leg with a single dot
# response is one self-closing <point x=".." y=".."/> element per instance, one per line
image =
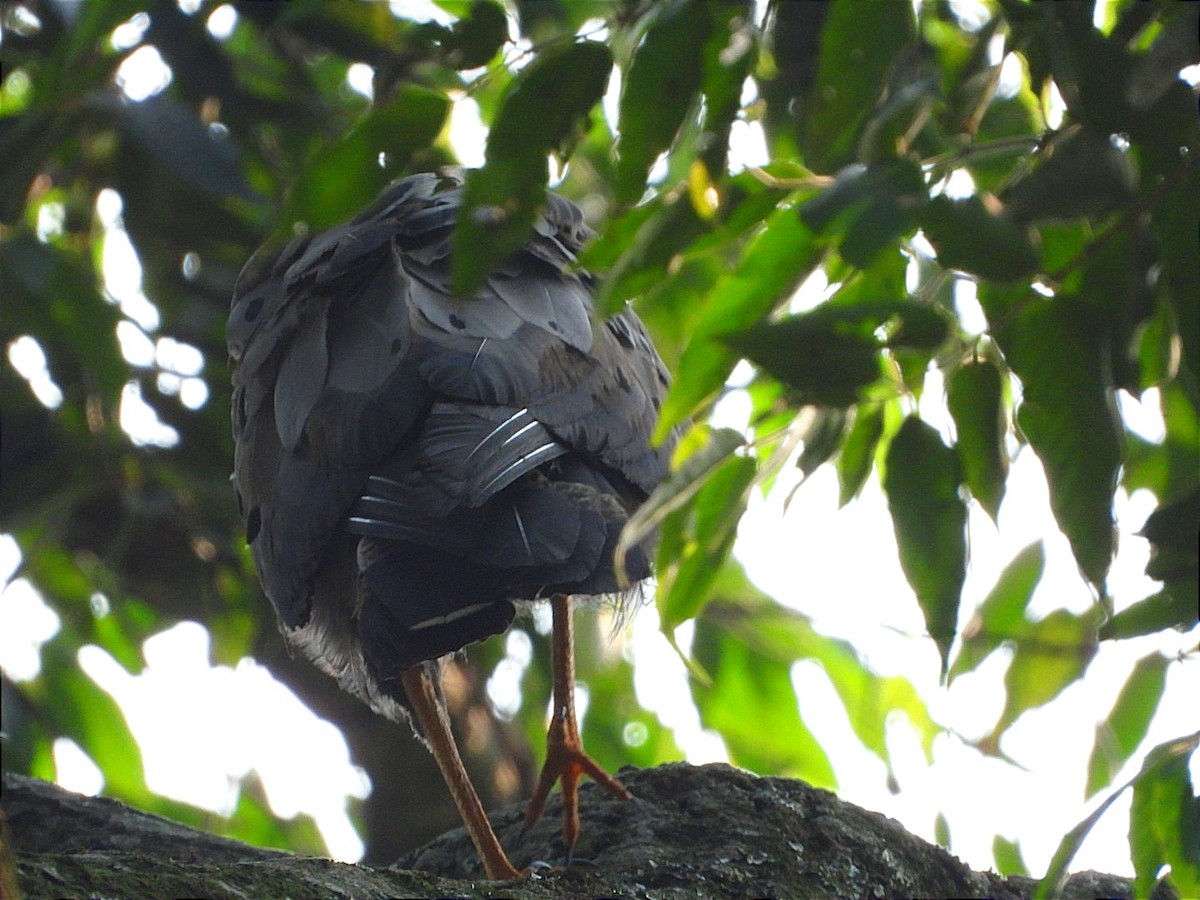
<point x="565" y="757"/>
<point x="435" y="725"/>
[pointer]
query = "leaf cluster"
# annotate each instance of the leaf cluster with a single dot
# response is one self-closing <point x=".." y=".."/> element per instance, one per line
<point x="1041" y="158"/>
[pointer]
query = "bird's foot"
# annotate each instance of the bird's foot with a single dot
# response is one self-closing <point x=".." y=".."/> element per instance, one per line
<point x="567" y="760"/>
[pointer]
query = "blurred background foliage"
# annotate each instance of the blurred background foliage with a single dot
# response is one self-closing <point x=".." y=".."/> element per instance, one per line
<point x="171" y="137"/>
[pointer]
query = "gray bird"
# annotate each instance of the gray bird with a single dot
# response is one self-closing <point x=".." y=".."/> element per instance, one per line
<point x="411" y="466"/>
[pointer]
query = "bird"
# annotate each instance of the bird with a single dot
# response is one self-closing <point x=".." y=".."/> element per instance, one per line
<point x="414" y="467"/>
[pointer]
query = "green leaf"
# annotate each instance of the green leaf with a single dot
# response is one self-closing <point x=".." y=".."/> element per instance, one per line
<point x="474" y="40"/>
<point x="922" y="482"/>
<point x="1067" y="415"/>
<point x="786" y="636"/>
<point x="859" y="45"/>
<point x="858" y="451"/>
<point x="974" y="394"/>
<point x="540" y="114"/>
<point x="87" y="714"/>
<point x="1164" y="822"/>
<point x="1174" y="607"/>
<point x="1001" y="616"/>
<point x="1051" y="654"/>
<point x="1165" y="771"/>
<point x="770" y="268"/>
<point x="968" y="237"/>
<point x="708" y="451"/>
<point x="751" y="703"/>
<point x="821" y="440"/>
<point x="1171" y="530"/>
<point x="661" y="86"/>
<point x="343" y="178"/>
<point x="1083" y="175"/>
<point x="1007" y="855"/>
<point x="708" y="531"/>
<point x="828" y="355"/>
<point x="867" y="207"/>
<point x="1119" y="735"/>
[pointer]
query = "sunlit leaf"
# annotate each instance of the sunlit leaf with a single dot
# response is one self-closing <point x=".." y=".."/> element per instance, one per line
<point x="1050" y="655"/>
<point x="1165" y="772"/>
<point x="708" y="532"/>
<point x="1001" y="616"/>
<point x="709" y="453"/>
<point x="830" y="354"/>
<point x="1007" y="855"/>
<point x="1165" y="821"/>
<point x="771" y="265"/>
<point x="751" y="702"/>
<point x="1174" y="607"/>
<point x="921" y="482"/>
<point x="1126" y="724"/>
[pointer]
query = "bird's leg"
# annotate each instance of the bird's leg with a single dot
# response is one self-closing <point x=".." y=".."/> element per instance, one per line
<point x="435" y="725"/>
<point x="565" y="757"/>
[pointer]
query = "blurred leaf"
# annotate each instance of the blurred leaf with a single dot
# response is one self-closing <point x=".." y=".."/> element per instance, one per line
<point x="967" y="236"/>
<point x="1067" y="415"/>
<point x="253" y="818"/>
<point x="680" y="486"/>
<point x="616" y="730"/>
<point x="478" y="37"/>
<point x="1120" y="734"/>
<point x="660" y="88"/>
<point x="540" y="114"/>
<point x="858" y="451"/>
<point x="974" y="395"/>
<point x="1171" y="531"/>
<point x="173" y="136"/>
<point x="859" y="44"/>
<point x="1165" y="772"/>
<point x="707" y="536"/>
<point x="1085" y="175"/>
<point x="1174" y="48"/>
<point x="53" y="294"/>
<point x="921" y="481"/>
<point x="1001" y="616"/>
<point x="751" y="701"/>
<point x="771" y="266"/>
<point x="1050" y="655"/>
<point x="821" y="440"/>
<point x="868" y="207"/>
<point x="1007" y="855"/>
<point x="343" y="178"/>
<point x="828" y="355"/>
<point x="1164" y="820"/>
<point x="1174" y="607"/>
<point x="89" y="716"/>
<point x="1172" y="221"/>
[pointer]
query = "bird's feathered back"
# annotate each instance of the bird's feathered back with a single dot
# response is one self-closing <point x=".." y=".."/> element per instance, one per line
<point x="409" y="463"/>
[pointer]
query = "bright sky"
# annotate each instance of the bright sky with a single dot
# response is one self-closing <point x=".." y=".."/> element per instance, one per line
<point x="808" y="557"/>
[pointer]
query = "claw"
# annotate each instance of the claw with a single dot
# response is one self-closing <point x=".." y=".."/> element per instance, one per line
<point x="565" y="756"/>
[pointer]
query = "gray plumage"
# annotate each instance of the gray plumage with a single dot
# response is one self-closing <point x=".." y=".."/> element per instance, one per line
<point x="409" y="463"/>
